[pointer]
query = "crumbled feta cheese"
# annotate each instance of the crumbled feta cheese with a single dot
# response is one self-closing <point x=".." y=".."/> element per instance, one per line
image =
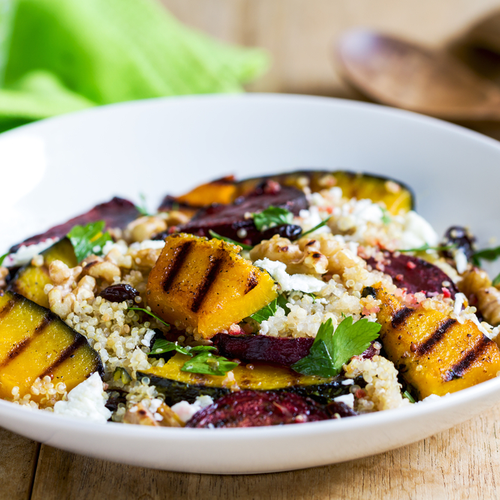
<point x="148" y="244"/>
<point x="121" y="246"/>
<point x="147" y="338"/>
<point x="308" y="219"/>
<point x="348" y="381"/>
<point x="185" y="411"/>
<point x="459" y="302"/>
<point x="460" y="261"/>
<point x="86" y="401"/>
<point x="417" y="232"/>
<point x="26" y="253"/>
<point x="347" y="399"/>
<point x="288" y="282"/>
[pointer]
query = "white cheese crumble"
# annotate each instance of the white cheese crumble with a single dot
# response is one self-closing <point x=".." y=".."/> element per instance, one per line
<point x="347" y="399"/>
<point x="120" y="245"/>
<point x="288" y="282"/>
<point x="148" y="244"/>
<point x="347" y="381"/>
<point x="26" y="253"/>
<point x="417" y="232"/>
<point x="459" y="302"/>
<point x="86" y="401"/>
<point x="185" y="411"/>
<point x="460" y="261"/>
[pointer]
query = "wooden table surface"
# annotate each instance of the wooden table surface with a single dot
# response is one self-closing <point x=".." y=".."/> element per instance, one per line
<point x="463" y="462"/>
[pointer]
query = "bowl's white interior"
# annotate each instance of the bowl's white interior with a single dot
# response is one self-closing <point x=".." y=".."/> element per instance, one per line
<point x="55" y="169"/>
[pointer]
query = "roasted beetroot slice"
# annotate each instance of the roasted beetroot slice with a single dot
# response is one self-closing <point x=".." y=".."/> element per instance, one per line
<point x="230" y="221"/>
<point x="338" y="409"/>
<point x="251" y="348"/>
<point x="414" y="274"/>
<point x="255" y="409"/>
<point x="117" y="213"/>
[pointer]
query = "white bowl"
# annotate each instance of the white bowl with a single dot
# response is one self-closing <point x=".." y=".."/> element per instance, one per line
<point x="57" y="168"/>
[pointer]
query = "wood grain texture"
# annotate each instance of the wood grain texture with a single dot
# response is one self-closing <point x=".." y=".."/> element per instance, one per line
<point x="18" y="458"/>
<point x="461" y="463"/>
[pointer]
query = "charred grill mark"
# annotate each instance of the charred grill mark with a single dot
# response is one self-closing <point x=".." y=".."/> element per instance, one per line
<point x="401" y="316"/>
<point x="21" y="346"/>
<point x="64" y="355"/>
<point x="180" y="254"/>
<point x="457" y="370"/>
<point x="206" y="283"/>
<point x="15" y="351"/>
<point x="251" y="283"/>
<point x="436" y="337"/>
<point x="7" y="308"/>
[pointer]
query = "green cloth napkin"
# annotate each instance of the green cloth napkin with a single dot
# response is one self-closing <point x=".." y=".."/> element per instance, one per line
<point x="58" y="56"/>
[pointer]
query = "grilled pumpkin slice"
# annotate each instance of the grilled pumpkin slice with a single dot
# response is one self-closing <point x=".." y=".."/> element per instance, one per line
<point x="34" y="343"/>
<point x="30" y="280"/>
<point x="177" y="385"/>
<point x="396" y="196"/>
<point x="205" y="284"/>
<point x="435" y="353"/>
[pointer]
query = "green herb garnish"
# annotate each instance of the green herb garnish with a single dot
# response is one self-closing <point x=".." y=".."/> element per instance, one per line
<point x="213" y="234"/>
<point x="2" y="257"/>
<point x="489" y="254"/>
<point x="148" y="312"/>
<point x="270" y="310"/>
<point x="330" y="351"/>
<point x="386" y="218"/>
<point x="426" y="247"/>
<point x="207" y="363"/>
<point x="266" y="312"/>
<point x="408" y="396"/>
<point x="272" y="216"/>
<point x="89" y="239"/>
<point x="162" y="346"/>
<point x="316" y="227"/>
<point x="496" y="281"/>
<point x="143" y="208"/>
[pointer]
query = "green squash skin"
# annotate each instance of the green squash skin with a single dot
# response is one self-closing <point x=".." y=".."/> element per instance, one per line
<point x="175" y="391"/>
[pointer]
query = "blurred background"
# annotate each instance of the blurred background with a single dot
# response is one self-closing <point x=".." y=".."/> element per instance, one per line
<point x="58" y="56"/>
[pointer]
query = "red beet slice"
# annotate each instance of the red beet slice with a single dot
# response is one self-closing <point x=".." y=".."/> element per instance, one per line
<point x="341" y="409"/>
<point x="255" y="409"/>
<point x="251" y="348"/>
<point x="230" y="221"/>
<point x="117" y="213"/>
<point x="414" y="274"/>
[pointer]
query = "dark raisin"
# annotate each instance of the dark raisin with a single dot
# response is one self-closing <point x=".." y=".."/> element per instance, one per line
<point x="369" y="291"/>
<point x="119" y="293"/>
<point x="461" y="238"/>
<point x="290" y="231"/>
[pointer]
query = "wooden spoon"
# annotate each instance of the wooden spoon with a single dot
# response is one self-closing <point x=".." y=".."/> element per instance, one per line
<point x="402" y="74"/>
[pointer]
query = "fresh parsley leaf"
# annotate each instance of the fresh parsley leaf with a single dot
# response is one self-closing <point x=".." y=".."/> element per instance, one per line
<point x="266" y="312"/>
<point x="89" y="239"/>
<point x="386" y="217"/>
<point x="272" y="216"/>
<point x="496" y="281"/>
<point x="408" y="396"/>
<point x="426" y="247"/>
<point x="316" y="227"/>
<point x="330" y="351"/>
<point x="148" y="312"/>
<point x="207" y="363"/>
<point x="283" y="303"/>
<point x="489" y="254"/>
<point x="143" y="208"/>
<point x="161" y="346"/>
<point x="201" y="348"/>
<point x="317" y="362"/>
<point x="213" y="234"/>
<point x="2" y="257"/>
